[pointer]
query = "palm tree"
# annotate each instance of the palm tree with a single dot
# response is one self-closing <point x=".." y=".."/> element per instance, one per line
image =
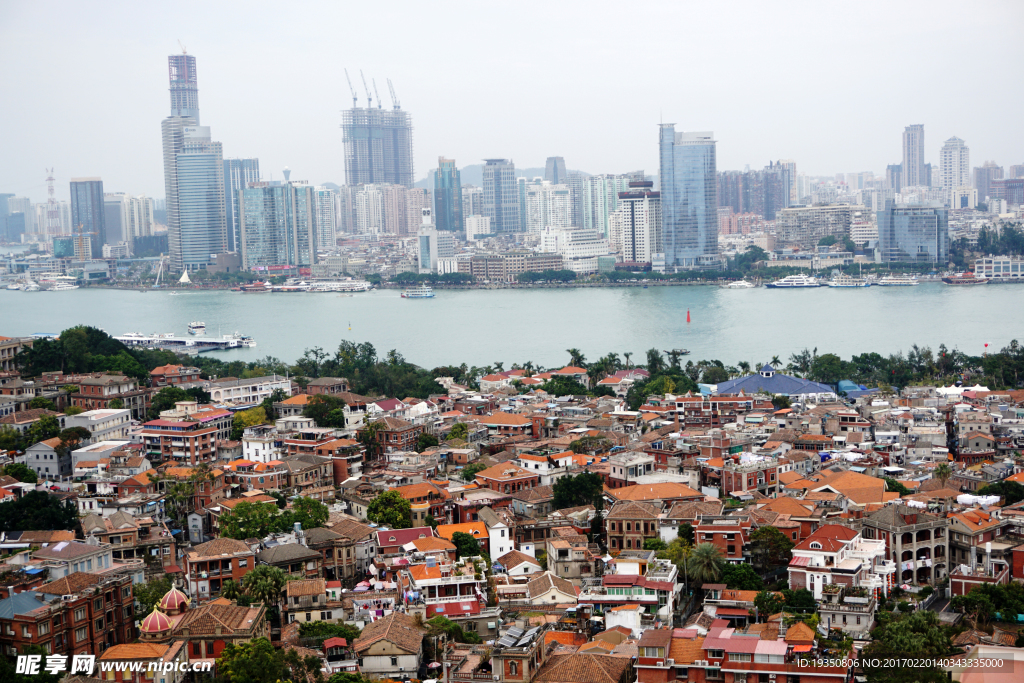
<point x="776" y="361"/>
<point x="265" y="583"/>
<point x="744" y="367"/>
<point x="627" y="356"/>
<point x="943" y="473"/>
<point x="230" y="590"/>
<point x="705" y="563"/>
<point x="655" y="361"/>
<point x="576" y="358"/>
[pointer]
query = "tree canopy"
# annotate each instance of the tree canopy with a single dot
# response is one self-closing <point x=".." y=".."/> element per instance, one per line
<point x="39" y="511"/>
<point x="468" y="472"/>
<point x="326" y="410"/>
<point x="466" y="545"/>
<point x="575" y="490"/>
<point x="917" y="635"/>
<point x="257" y="661"/>
<point x="390" y="509"/>
<point x="21" y="472"/>
<point x="741" y="577"/>
<point x="770" y="547"/>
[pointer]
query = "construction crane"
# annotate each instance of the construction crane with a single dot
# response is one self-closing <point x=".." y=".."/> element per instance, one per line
<point x="380" y="102"/>
<point x="182" y="46"/>
<point x="394" y="99"/>
<point x="355" y="99"/>
<point x="369" y="99"/>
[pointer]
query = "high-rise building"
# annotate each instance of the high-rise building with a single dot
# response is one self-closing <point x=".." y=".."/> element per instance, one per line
<point x="501" y="195"/>
<point x="763" y="192"/>
<point x="913" y="234"/>
<point x="416" y="199"/>
<point x="983" y="177"/>
<point x="426" y="244"/>
<point x="521" y="193"/>
<point x="804" y="226"/>
<point x="194" y="178"/>
<point x="955" y="164"/>
<point x="476" y="226"/>
<point x="238" y="173"/>
<point x="378" y="146"/>
<point x="1016" y="171"/>
<point x="88" y="213"/>
<point x="368" y="210"/>
<point x="601" y="198"/>
<point x="894" y="177"/>
<point x="689" y="201"/>
<point x="23" y="205"/>
<point x="578" y="247"/>
<point x="547" y="205"/>
<point x="278" y="225"/>
<point x="448" y="196"/>
<point x="913" y="157"/>
<point x="577" y="192"/>
<point x="554" y="171"/>
<point x="636" y="224"/>
<point x="790" y="166"/>
<point x="326" y="218"/>
<point x="115" y="208"/>
<point x="472" y="201"/>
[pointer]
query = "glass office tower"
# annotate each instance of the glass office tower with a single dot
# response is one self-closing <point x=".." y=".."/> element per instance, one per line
<point x="913" y="234"/>
<point x="237" y="174"/>
<point x="88" y="215"/>
<point x="447" y="197"/>
<point x="689" y="198"/>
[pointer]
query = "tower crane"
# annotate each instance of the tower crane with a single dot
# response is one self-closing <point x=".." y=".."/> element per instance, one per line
<point x="369" y="99"/>
<point x="380" y="102"/>
<point x="394" y="99"/>
<point x="355" y="100"/>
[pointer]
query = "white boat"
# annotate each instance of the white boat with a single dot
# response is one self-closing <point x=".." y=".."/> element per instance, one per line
<point x="197" y="327"/>
<point x="421" y="292"/>
<point x="898" y="281"/>
<point x="14" y="286"/>
<point x="843" y="280"/>
<point x="794" y="282"/>
<point x="30" y="286"/>
<point x="62" y="287"/>
<point x="740" y="284"/>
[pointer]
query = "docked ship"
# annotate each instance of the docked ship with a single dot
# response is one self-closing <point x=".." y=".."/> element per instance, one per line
<point x="197" y="327"/>
<point x="897" y="281"/>
<point x="61" y="287"/>
<point x="843" y="280"/>
<point x="794" y="282"/>
<point x="965" y="279"/>
<point x="739" y="284"/>
<point x="421" y="292"/>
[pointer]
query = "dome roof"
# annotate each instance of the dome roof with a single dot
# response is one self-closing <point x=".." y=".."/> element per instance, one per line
<point x="156" y="622"/>
<point x="173" y="599"/>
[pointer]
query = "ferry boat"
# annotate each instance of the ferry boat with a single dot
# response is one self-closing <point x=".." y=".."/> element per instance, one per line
<point x="197" y="327"/>
<point x="30" y="286"/>
<point x="898" y="281"/>
<point x="740" y="284"/>
<point x="14" y="287"/>
<point x="965" y="280"/>
<point x="61" y="287"/>
<point x="794" y="282"/>
<point x="421" y="292"/>
<point x="843" y="280"/>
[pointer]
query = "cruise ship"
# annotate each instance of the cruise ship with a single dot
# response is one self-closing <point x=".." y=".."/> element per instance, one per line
<point x="421" y="292"/>
<point x="197" y="327"/>
<point x="967" y="279"/>
<point x="843" y="280"/>
<point x="794" y="282"/>
<point x="898" y="281"/>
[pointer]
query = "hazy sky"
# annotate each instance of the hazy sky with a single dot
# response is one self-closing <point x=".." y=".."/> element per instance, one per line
<point x="828" y="84"/>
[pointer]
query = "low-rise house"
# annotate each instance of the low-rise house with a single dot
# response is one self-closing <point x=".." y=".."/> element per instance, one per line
<point x="246" y="392"/>
<point x="638" y="578"/>
<point x="293" y="559"/>
<point x="97" y="393"/>
<point x="391" y="647"/>
<point x="208" y="565"/>
<point x="630" y="524"/>
<point x="516" y="563"/>
<point x="131" y="662"/>
<point x="535" y="502"/>
<point x="173" y="375"/>
<point x="454" y="590"/>
<point x="836" y="555"/>
<point x="917" y="541"/>
<point x="307" y="600"/>
<point x="507" y="478"/>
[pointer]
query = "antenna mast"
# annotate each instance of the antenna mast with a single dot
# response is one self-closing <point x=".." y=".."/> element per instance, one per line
<point x="355" y="100"/>
<point x="369" y="99"/>
<point x="394" y="99"/>
<point x="53" y="226"/>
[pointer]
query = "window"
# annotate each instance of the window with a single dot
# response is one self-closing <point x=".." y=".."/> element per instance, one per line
<point x="97" y="604"/>
<point x="44" y="628"/>
<point x="739" y="657"/>
<point x="80" y="634"/>
<point x="79" y="614"/>
<point x="394" y="661"/>
<point x="243" y="562"/>
<point x="513" y="669"/>
<point x="197" y="649"/>
<point x="716" y="654"/>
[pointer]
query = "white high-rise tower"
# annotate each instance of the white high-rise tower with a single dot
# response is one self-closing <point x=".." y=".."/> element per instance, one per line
<point x="955" y="164"/>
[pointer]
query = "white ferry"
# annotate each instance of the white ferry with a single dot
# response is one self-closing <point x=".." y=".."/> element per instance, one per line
<point x="794" y="282"/>
<point x="843" y="280"/>
<point x="197" y="327"/>
<point x="421" y="292"/>
<point x="740" y="284"/>
<point x="898" y="281"/>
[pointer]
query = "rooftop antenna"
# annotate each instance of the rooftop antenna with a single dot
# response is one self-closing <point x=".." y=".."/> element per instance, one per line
<point x="369" y="100"/>
<point x="182" y="46"/>
<point x="380" y="102"/>
<point x="355" y="102"/>
<point x="394" y="98"/>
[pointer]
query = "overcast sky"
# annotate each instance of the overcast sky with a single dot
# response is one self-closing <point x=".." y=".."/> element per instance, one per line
<point x="828" y="84"/>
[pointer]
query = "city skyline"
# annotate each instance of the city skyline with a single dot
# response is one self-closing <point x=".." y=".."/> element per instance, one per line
<point x="299" y="127"/>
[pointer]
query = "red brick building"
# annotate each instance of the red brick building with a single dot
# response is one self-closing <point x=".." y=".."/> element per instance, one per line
<point x="97" y="393"/>
<point x="507" y="478"/>
<point x="209" y="565"/>
<point x="397" y="434"/>
<point x="172" y="375"/>
<point x="731" y="536"/>
<point x="184" y="443"/>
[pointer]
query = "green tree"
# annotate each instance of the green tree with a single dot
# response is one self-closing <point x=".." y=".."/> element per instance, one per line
<point x="575" y="490"/>
<point x="42" y="402"/>
<point x="8" y="668"/>
<point x="769" y="547"/>
<point x="326" y="411"/>
<point x="116" y="404"/>
<point x="1010" y="491"/>
<point x="655" y="544"/>
<point x="248" y="520"/>
<point x="39" y="511"/>
<point x="257" y="661"/>
<point x="325" y="630"/>
<point x="714" y="375"/>
<point x="466" y="545"/>
<point x="686" y="532"/>
<point x="800" y="600"/>
<point x="769" y="603"/>
<point x="390" y="509"/>
<point x="943" y="473"/>
<point x="893" y="485"/>
<point x="564" y="386"/>
<point x="591" y="445"/>
<point x="459" y="430"/>
<point x="168" y="396"/>
<point x="244" y="419"/>
<point x="21" y="472"/>
<point x="46" y="427"/>
<point x="148" y="594"/>
<point x="310" y="513"/>
<point x="741" y="577"/>
<point x="468" y="472"/>
<point x="976" y="606"/>
<point x="264" y="584"/>
<point x="425" y="441"/>
<point x="827" y="368"/>
<point x="576" y="358"/>
<point x="454" y="632"/>
<point x="230" y="590"/>
<point x="706" y="564"/>
<point x="10" y="439"/>
<point x="918" y="635"/>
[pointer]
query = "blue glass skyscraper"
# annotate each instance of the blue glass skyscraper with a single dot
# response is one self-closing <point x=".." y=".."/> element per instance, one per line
<point x="913" y="234"/>
<point x="87" y="212"/>
<point x="238" y="173"/>
<point x="447" y="197"/>
<point x="689" y="198"/>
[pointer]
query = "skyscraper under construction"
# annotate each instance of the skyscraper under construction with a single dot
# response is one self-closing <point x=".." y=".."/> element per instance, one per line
<point x="378" y="144"/>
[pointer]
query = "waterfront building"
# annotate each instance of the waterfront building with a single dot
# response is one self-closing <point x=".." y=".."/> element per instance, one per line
<point x="554" y="171"/>
<point x="426" y="244"/>
<point x="278" y="225"/>
<point x="913" y="156"/>
<point x="635" y="227"/>
<point x="326" y="202"/>
<point x="954" y="164"/>
<point x="984" y="176"/>
<point x="1006" y="190"/>
<point x="416" y="200"/>
<point x="763" y="192"/>
<point x="1000" y="268"/>
<point x="689" y="202"/>
<point x="368" y="210"/>
<point x="476" y="226"/>
<point x="804" y="226"/>
<point x="501" y="195"/>
<point x="378" y="146"/>
<point x="238" y="173"/>
<point x="547" y="205"/>
<point x="88" y="212"/>
<point x="578" y="247"/>
<point x="913" y="234"/>
<point x="193" y="175"/>
<point x="600" y="199"/>
<point x="448" y="196"/>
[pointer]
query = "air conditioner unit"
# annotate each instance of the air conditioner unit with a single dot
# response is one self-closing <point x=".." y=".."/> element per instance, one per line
<point x="771" y="677"/>
<point x="497" y="677"/>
